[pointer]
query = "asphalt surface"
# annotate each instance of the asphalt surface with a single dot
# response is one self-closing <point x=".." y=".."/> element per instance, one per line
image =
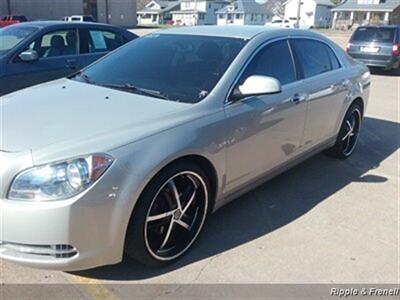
<point x="324" y="221"/>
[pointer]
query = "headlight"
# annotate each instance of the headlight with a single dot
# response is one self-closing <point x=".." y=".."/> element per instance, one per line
<point x="60" y="180"/>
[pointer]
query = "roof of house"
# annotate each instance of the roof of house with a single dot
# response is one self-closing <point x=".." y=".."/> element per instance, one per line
<point x="318" y="2"/>
<point x="245" y="7"/>
<point x="165" y="6"/>
<point x="352" y="5"/>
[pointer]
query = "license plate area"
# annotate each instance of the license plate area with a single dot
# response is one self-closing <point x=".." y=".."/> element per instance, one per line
<point x="369" y="49"/>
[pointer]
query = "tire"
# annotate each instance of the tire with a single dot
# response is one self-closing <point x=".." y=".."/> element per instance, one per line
<point x="347" y="138"/>
<point x="158" y="219"/>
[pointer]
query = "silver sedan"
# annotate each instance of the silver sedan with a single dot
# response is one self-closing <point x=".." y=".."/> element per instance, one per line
<point x="133" y="153"/>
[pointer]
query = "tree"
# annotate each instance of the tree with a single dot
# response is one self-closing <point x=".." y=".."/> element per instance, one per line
<point x="276" y="7"/>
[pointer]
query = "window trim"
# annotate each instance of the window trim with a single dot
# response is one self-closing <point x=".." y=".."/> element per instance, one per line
<point x="250" y="59"/>
<point x="316" y="40"/>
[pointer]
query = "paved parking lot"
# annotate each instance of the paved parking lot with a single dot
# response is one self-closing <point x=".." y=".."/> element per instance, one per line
<point x="325" y="221"/>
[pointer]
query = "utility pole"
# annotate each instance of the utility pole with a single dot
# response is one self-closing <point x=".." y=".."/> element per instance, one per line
<point x="107" y="12"/>
<point x="298" y="13"/>
<point x="9" y="7"/>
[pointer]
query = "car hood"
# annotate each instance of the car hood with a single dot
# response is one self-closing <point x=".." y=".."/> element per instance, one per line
<point x="62" y="113"/>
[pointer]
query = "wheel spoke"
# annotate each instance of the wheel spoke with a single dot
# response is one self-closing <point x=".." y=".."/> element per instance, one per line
<point x="167" y="235"/>
<point x="190" y="201"/>
<point x="172" y="184"/>
<point x="160" y="216"/>
<point x="183" y="224"/>
<point x="347" y="144"/>
<point x="347" y="135"/>
<point x="349" y="124"/>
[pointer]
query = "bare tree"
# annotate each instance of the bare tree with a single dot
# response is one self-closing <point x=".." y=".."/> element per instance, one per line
<point x="276" y="7"/>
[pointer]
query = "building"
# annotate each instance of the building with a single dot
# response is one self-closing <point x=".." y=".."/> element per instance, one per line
<point x="361" y="12"/>
<point x="313" y="13"/>
<point x="116" y="12"/>
<point x="197" y="12"/>
<point x="244" y="12"/>
<point x="157" y="12"/>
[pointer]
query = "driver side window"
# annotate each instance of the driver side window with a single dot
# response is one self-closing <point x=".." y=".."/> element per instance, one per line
<point x="274" y="60"/>
<point x="55" y="44"/>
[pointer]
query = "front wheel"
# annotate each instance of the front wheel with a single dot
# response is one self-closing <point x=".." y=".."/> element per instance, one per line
<point x="169" y="215"/>
<point x="348" y="135"/>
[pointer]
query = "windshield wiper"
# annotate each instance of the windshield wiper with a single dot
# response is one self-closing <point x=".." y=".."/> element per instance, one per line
<point x="131" y="88"/>
<point x="82" y="75"/>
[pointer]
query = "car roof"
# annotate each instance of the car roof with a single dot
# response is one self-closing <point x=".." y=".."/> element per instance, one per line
<point x="236" y="31"/>
<point x="47" y="24"/>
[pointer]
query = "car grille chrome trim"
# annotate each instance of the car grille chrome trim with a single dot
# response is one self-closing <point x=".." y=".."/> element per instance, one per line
<point x="56" y="251"/>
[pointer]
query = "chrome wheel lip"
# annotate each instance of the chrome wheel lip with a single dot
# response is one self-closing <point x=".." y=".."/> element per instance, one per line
<point x="202" y="182"/>
<point x="355" y="131"/>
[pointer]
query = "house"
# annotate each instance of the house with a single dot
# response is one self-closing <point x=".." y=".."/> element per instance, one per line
<point x="244" y="12"/>
<point x="157" y="12"/>
<point x="313" y="13"/>
<point x="361" y="12"/>
<point x="197" y="12"/>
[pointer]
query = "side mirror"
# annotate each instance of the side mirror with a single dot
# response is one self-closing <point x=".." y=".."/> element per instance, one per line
<point x="29" y="56"/>
<point x="256" y="85"/>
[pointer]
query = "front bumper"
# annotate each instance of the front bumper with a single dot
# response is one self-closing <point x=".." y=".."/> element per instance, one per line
<point x="75" y="234"/>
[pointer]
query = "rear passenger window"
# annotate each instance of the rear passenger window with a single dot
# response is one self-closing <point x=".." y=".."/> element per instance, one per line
<point x="95" y="41"/>
<point x="273" y="60"/>
<point x="334" y="60"/>
<point x="313" y="57"/>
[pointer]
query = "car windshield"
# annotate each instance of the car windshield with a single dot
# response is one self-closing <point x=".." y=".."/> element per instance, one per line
<point x="12" y="36"/>
<point x="374" y="34"/>
<point x="181" y="68"/>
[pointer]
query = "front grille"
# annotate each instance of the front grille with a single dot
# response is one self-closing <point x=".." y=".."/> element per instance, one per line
<point x="56" y="251"/>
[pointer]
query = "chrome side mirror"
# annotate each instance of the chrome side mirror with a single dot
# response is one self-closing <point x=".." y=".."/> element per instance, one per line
<point x="256" y="85"/>
<point x="29" y="56"/>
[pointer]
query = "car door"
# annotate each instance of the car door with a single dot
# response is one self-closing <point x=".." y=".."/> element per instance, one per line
<point x="326" y="85"/>
<point x="265" y="131"/>
<point x="97" y="42"/>
<point x="57" y="57"/>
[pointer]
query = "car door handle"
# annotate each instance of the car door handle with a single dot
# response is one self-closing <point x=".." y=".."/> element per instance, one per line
<point x="297" y="98"/>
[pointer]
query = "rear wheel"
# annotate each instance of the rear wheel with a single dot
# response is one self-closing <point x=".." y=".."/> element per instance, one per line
<point x="169" y="215"/>
<point x="348" y="135"/>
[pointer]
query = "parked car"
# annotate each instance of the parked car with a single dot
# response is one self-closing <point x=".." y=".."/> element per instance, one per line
<point x="376" y="46"/>
<point x="80" y="18"/>
<point x="35" y="52"/>
<point x="280" y="23"/>
<point x="10" y="20"/>
<point x="124" y="156"/>
<point x="287" y="23"/>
